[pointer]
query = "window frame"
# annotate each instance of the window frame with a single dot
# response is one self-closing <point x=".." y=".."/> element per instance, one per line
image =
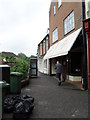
<point x="47" y="46"/>
<point x="45" y="63"/>
<point x="54" y="9"/>
<point x="55" y="35"/>
<point x="59" y="3"/>
<point x="43" y="46"/>
<point x="69" y="23"/>
<point x="41" y="49"/>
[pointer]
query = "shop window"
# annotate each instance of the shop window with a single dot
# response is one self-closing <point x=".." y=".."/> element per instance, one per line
<point x="76" y="65"/>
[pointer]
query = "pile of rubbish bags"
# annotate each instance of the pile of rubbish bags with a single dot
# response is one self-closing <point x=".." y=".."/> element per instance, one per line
<point x="21" y="106"/>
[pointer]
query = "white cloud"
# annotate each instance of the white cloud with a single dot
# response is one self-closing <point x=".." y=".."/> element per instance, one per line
<point x="23" y="24"/>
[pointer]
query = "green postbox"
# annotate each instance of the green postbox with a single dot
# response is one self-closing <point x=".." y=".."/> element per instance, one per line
<point x="15" y="82"/>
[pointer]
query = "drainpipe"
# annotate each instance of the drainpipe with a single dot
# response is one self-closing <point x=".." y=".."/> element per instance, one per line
<point x="85" y="76"/>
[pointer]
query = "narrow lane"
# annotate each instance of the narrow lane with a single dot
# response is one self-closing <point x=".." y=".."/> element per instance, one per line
<point x="53" y="101"/>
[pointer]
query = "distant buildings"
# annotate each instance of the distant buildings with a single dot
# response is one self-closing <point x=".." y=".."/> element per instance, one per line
<point x="8" y="58"/>
<point x="43" y="46"/>
<point x="10" y="54"/>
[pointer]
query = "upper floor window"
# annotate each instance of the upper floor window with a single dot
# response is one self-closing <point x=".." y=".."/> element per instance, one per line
<point x="41" y="49"/>
<point x="59" y="3"/>
<point x="46" y="44"/>
<point x="55" y="35"/>
<point x="54" y="9"/>
<point x="44" y="47"/>
<point x="38" y="50"/>
<point x="69" y="23"/>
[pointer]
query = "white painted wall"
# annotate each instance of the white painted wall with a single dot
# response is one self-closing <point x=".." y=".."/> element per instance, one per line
<point x="47" y="69"/>
<point x="74" y="78"/>
<point x="40" y="65"/>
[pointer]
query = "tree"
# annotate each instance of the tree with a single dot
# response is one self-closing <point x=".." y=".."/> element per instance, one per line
<point x="3" y="55"/>
<point x="21" y="66"/>
<point x="23" y="57"/>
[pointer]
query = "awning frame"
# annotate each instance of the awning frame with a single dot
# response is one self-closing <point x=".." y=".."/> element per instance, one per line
<point x="62" y="47"/>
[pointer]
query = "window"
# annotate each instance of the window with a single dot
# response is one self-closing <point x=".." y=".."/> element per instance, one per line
<point x="46" y="44"/>
<point x="54" y="9"/>
<point x="69" y="23"/>
<point x="38" y="50"/>
<point x="45" y="64"/>
<point x="59" y="3"/>
<point x="55" y="35"/>
<point x="44" y="47"/>
<point x="41" y="49"/>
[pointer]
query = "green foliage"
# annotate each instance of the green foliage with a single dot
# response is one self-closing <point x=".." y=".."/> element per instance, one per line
<point x="8" y="59"/>
<point x="32" y="56"/>
<point x="21" y="66"/>
<point x="23" y="57"/>
<point x="3" y="55"/>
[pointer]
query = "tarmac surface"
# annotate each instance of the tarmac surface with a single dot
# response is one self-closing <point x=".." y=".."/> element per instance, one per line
<point x="53" y="101"/>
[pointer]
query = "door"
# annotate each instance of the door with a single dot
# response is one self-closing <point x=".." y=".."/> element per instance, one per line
<point x="33" y="67"/>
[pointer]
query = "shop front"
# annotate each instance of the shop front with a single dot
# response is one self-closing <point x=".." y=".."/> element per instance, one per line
<point x="68" y="51"/>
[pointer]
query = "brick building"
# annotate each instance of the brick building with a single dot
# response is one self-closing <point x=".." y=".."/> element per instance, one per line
<point x="66" y="43"/>
<point x="43" y="47"/>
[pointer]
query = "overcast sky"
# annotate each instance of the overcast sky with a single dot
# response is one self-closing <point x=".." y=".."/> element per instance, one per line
<point x="23" y="24"/>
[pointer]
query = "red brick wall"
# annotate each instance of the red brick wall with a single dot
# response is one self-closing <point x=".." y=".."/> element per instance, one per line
<point x="62" y="12"/>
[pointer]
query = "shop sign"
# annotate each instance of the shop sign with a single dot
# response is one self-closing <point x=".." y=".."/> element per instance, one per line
<point x="87" y="8"/>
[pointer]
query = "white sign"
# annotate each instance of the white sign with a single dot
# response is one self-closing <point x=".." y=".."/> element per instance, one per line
<point x="87" y="8"/>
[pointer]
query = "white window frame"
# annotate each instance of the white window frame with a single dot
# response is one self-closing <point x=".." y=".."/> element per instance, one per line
<point x="69" y="23"/>
<point x="41" y="49"/>
<point x="55" y="35"/>
<point x="43" y="46"/>
<point x="46" y="44"/>
<point x="59" y="3"/>
<point x="45" y="63"/>
<point x="54" y="9"/>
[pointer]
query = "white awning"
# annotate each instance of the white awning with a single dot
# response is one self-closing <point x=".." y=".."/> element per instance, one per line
<point x="63" y="46"/>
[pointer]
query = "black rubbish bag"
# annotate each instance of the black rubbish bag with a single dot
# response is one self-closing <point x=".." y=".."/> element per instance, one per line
<point x="10" y="102"/>
<point x="23" y="109"/>
<point x="29" y="98"/>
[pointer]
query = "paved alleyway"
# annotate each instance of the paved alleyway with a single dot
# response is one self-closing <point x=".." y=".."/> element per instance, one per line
<point x="53" y="101"/>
